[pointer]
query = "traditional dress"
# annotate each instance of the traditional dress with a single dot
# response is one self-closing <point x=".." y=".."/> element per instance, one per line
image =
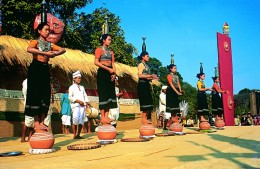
<point x="217" y="105"/>
<point x="172" y="98"/>
<point x="106" y="87"/>
<point x="77" y="92"/>
<point x="38" y="83"/>
<point x="202" y="100"/>
<point x="65" y="109"/>
<point x="144" y="90"/>
<point x="114" y="113"/>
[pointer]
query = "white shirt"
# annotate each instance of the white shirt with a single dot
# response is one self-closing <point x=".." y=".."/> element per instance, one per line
<point x="190" y="122"/>
<point x="162" y="102"/>
<point x="117" y="91"/>
<point x="24" y="89"/>
<point x="77" y="92"/>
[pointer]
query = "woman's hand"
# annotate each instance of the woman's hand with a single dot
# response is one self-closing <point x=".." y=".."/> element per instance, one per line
<point x="155" y="77"/>
<point x="51" y="54"/>
<point x="113" y="77"/>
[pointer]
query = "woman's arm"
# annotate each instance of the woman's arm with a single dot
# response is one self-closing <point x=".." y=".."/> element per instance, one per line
<point x="179" y="85"/>
<point x="218" y="89"/>
<point x="141" y="67"/>
<point x="169" y="79"/>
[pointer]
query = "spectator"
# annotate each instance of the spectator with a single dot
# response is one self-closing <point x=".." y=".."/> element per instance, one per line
<point x="244" y="120"/>
<point x="237" y="121"/>
<point x="66" y="112"/>
<point x="190" y="122"/>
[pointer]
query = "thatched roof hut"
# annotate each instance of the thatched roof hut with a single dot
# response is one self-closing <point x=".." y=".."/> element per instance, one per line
<point x="14" y="61"/>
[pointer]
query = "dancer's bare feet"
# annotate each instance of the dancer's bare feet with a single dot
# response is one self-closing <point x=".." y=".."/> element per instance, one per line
<point x="22" y="141"/>
<point x="105" y="120"/>
<point x="175" y="119"/>
<point x="40" y="126"/>
<point x="144" y="121"/>
<point x="218" y="118"/>
<point x="202" y="119"/>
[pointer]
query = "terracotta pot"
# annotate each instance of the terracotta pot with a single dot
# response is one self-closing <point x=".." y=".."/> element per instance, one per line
<point x="177" y="127"/>
<point x="219" y="123"/>
<point x="204" y="125"/>
<point x="147" y="130"/>
<point x="42" y="140"/>
<point x="106" y="132"/>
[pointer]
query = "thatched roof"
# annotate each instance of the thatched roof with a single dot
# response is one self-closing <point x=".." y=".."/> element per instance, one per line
<point x="14" y="61"/>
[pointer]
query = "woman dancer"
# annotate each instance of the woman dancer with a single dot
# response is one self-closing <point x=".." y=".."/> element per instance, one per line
<point x="106" y="74"/>
<point x="172" y="93"/>
<point x="217" y="105"/>
<point x="202" y="98"/>
<point x="39" y="89"/>
<point x="144" y="87"/>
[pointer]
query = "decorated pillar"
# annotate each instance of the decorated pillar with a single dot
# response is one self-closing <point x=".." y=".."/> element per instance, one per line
<point x="226" y="73"/>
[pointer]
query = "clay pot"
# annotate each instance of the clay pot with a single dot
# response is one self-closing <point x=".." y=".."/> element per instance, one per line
<point x="177" y="127"/>
<point x="42" y="140"/>
<point x="219" y="123"/>
<point x="204" y="125"/>
<point x="147" y="130"/>
<point x="106" y="132"/>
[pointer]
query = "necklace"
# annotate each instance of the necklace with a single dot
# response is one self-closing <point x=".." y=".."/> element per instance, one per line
<point x="44" y="46"/>
<point x="106" y="51"/>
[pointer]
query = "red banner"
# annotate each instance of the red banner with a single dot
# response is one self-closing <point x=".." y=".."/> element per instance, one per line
<point x="226" y="76"/>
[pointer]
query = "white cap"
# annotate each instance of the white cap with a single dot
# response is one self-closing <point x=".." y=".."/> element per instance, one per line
<point x="76" y="74"/>
<point x="164" y="87"/>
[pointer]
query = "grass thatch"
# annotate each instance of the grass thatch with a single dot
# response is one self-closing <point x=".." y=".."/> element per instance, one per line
<point x="15" y="58"/>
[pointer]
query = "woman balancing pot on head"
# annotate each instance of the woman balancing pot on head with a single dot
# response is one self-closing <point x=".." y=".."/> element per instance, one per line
<point x="172" y="93"/>
<point x="202" y="99"/>
<point x="144" y="87"/>
<point x="106" y="74"/>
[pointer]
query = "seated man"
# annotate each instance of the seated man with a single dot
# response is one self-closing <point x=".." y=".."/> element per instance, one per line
<point x="190" y="122"/>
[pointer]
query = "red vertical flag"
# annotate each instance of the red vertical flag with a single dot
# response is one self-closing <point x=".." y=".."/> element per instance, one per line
<point x="226" y="76"/>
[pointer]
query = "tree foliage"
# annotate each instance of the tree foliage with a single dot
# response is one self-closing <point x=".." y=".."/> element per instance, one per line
<point x="190" y="96"/>
<point x="90" y="29"/>
<point x="242" y="102"/>
<point x="82" y="31"/>
<point x="18" y="15"/>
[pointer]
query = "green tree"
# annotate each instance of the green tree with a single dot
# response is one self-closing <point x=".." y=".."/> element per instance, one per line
<point x="90" y="29"/>
<point x="18" y="15"/>
<point x="242" y="101"/>
<point x="190" y="96"/>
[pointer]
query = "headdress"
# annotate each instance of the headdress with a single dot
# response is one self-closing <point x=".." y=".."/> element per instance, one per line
<point x="164" y="87"/>
<point x="216" y="74"/>
<point x="76" y="74"/>
<point x="201" y="71"/>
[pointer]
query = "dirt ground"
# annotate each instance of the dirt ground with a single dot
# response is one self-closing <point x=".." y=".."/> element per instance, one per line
<point x="234" y="148"/>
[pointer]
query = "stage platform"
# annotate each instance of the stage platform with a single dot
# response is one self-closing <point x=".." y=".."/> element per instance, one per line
<point x="235" y="147"/>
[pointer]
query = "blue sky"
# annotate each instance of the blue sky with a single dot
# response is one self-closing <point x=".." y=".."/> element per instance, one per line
<point x="188" y="29"/>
